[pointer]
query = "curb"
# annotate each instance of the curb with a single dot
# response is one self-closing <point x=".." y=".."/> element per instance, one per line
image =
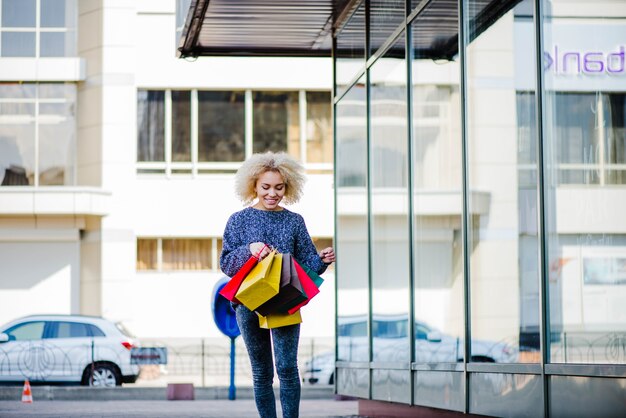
<point x="83" y="393"/>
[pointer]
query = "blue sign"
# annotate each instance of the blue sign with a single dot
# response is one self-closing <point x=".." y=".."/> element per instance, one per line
<point x="223" y="314"/>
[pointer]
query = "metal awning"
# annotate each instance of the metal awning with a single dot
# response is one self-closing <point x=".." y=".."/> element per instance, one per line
<point x="258" y="28"/>
<point x="305" y="27"/>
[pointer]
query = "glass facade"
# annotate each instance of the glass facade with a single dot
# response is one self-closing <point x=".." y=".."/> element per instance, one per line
<point x="480" y="171"/>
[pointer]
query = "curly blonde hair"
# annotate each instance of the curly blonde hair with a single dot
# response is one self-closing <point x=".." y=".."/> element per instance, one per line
<point x="284" y="164"/>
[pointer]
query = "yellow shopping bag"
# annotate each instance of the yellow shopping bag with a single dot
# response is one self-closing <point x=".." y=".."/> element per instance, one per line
<point x="262" y="283"/>
<point x="277" y="320"/>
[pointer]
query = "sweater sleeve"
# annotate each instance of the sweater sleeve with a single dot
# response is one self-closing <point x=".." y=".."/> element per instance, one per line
<point x="305" y="251"/>
<point x="235" y="253"/>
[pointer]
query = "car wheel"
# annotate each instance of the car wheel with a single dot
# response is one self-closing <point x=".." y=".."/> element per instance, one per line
<point x="104" y="375"/>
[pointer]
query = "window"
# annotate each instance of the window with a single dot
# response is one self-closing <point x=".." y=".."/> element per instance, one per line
<point x="37" y="134"/>
<point x="221" y="126"/>
<point x="201" y="131"/>
<point x="276" y="124"/>
<point x="178" y="254"/>
<point x="71" y="330"/>
<point x="38" y="28"/>
<point x="151" y="125"/>
<point x="27" y="331"/>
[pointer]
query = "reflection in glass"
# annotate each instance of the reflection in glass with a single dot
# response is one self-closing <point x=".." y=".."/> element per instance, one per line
<point x="181" y="125"/>
<point x="385" y="17"/>
<point x="221" y="126"/>
<point x="18" y="13"/>
<point x="437" y="244"/>
<point x="319" y="128"/>
<point x="52" y="44"/>
<point x="276" y="124"/>
<point x="17" y="153"/>
<point x="18" y="44"/>
<point x="503" y="271"/>
<point x="150" y="125"/>
<point x="389" y="204"/>
<point x="350" y="49"/>
<point x="585" y="148"/>
<point x="352" y="226"/>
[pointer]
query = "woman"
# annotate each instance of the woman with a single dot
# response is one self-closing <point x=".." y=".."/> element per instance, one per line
<point x="271" y="178"/>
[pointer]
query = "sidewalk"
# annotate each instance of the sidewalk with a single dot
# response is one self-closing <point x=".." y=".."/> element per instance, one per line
<point x="244" y="408"/>
<point x="75" y="402"/>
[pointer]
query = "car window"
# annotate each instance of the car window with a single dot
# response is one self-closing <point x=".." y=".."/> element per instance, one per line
<point x="27" y="331"/>
<point x="71" y="330"/>
<point x="95" y="331"/>
<point x="421" y="332"/>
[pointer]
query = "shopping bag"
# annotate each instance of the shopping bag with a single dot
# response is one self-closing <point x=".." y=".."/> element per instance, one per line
<point x="308" y="285"/>
<point x="290" y="292"/>
<point x="277" y="320"/>
<point x="230" y="289"/>
<point x="262" y="283"/>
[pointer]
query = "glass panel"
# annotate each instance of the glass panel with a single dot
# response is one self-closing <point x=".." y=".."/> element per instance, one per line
<point x="52" y="44"/>
<point x="439" y="389"/>
<point x="18" y="14"/>
<point x="186" y="254"/>
<point x="221" y="126"/>
<point x="575" y="396"/>
<point x="389" y="203"/>
<point x="18" y="90"/>
<point x="319" y="128"/>
<point x="353" y="382"/>
<point x="437" y="244"/>
<point x="506" y="395"/>
<point x="350" y="50"/>
<point x="52" y="13"/>
<point x="391" y="385"/>
<point x="17" y="138"/>
<point x="181" y="125"/>
<point x="18" y="44"/>
<point x="150" y="125"/>
<point x="57" y="144"/>
<point x="146" y="254"/>
<point x="585" y="152"/>
<point x="385" y="17"/>
<point x="352" y="226"/>
<point x="503" y="232"/>
<point x="276" y="122"/>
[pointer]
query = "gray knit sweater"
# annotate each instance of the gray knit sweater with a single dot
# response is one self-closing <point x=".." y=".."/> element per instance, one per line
<point x="283" y="230"/>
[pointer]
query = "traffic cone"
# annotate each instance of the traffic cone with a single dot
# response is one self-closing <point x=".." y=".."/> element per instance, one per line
<point x="27" y="395"/>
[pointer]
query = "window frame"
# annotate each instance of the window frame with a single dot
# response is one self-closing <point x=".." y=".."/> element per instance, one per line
<point x="194" y="168"/>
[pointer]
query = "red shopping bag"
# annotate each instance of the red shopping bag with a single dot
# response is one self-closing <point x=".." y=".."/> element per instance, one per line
<point x="308" y="285"/>
<point x="230" y="289"/>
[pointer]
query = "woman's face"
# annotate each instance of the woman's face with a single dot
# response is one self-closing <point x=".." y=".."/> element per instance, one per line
<point x="270" y="189"/>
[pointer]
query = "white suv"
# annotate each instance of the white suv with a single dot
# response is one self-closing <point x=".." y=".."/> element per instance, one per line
<point x="66" y="348"/>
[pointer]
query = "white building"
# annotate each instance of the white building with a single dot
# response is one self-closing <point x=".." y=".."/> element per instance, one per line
<point x="117" y="161"/>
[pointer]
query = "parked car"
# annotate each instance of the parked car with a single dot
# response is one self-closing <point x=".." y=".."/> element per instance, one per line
<point x="81" y="349"/>
<point x="431" y="346"/>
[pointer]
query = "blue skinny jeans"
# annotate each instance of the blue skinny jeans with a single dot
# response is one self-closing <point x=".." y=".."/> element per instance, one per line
<point x="259" y="345"/>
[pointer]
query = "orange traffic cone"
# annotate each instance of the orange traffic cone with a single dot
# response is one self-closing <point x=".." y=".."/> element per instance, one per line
<point x="27" y="395"/>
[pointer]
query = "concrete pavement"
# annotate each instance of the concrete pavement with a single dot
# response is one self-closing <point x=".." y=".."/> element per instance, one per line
<point x="134" y="402"/>
<point x="243" y="408"/>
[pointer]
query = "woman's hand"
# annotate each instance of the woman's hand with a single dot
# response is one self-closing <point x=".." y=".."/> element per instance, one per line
<point x="327" y="255"/>
<point x="260" y="250"/>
